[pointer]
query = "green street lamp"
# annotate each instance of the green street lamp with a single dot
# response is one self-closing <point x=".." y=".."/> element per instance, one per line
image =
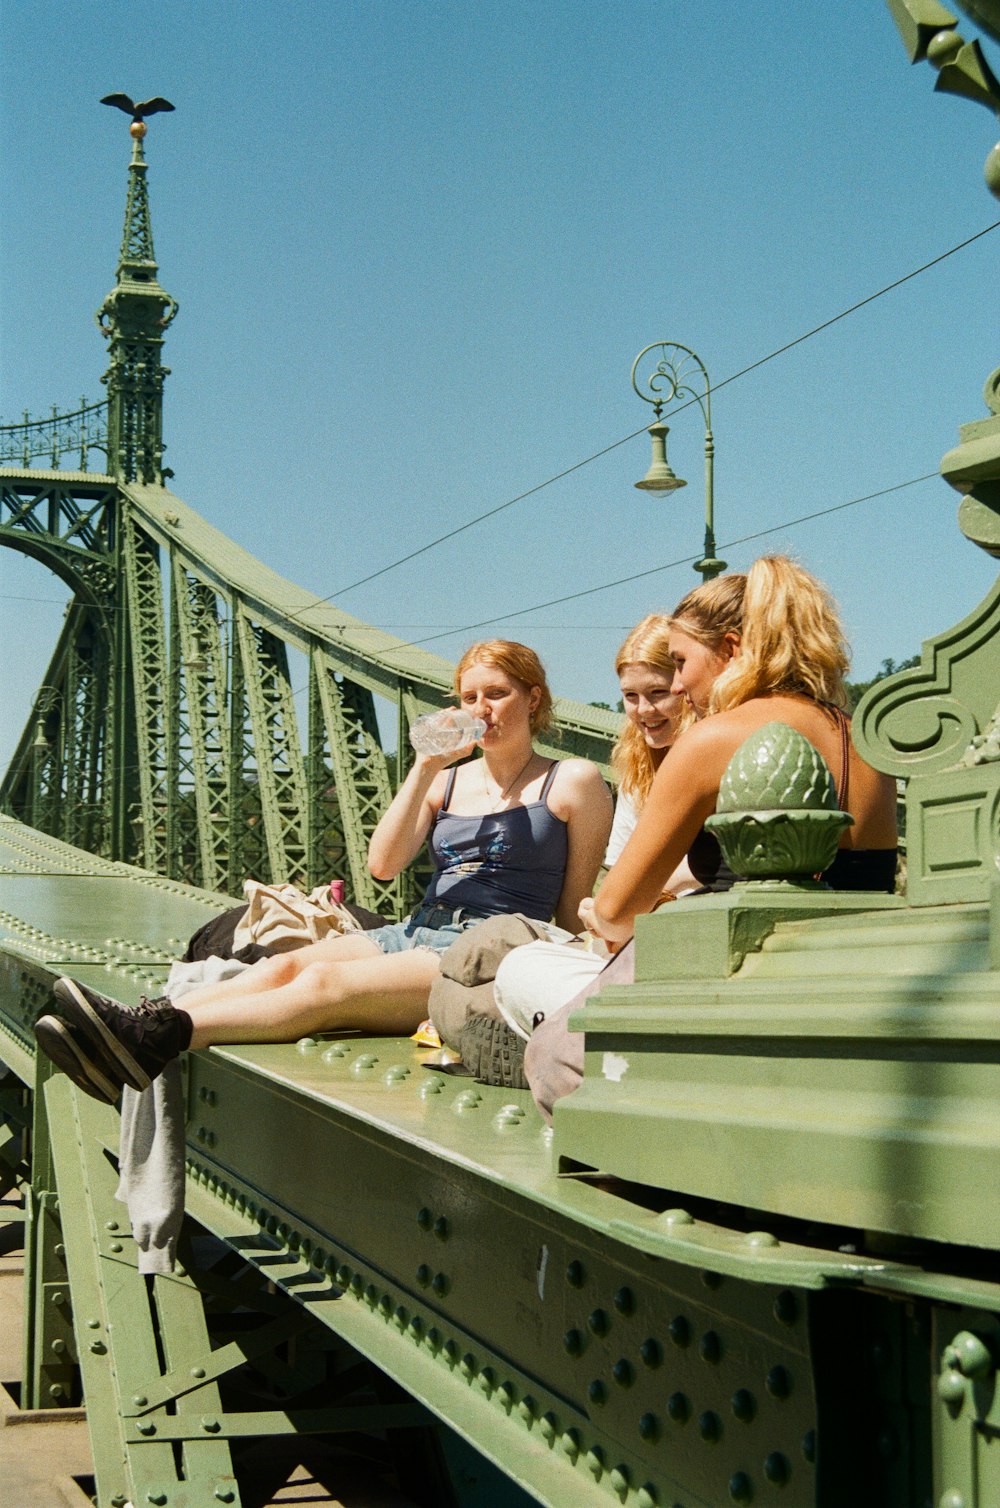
<point x="676" y="369"/>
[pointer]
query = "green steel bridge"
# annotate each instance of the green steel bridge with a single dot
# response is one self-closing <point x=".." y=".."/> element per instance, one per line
<point x="755" y="1261"/>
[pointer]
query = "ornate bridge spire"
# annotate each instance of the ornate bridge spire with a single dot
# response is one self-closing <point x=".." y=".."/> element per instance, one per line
<point x="133" y="318"/>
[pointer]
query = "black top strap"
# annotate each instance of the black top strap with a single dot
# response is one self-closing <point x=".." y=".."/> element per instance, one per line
<point x="449" y="787"/>
<point x="548" y="780"/>
<point x="845" y="768"/>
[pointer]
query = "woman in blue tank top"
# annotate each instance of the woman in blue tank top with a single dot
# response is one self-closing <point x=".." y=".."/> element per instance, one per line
<point x="511" y="831"/>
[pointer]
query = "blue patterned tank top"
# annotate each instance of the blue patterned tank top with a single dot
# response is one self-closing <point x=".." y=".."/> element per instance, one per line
<point x="513" y="860"/>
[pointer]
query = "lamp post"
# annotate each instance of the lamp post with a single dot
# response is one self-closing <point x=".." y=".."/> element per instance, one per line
<point x="676" y="369"/>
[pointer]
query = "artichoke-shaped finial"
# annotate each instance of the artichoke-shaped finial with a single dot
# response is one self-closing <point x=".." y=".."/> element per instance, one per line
<point x="777" y="816"/>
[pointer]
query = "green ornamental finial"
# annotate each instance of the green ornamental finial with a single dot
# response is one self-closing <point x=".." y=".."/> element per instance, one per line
<point x="777" y="816"/>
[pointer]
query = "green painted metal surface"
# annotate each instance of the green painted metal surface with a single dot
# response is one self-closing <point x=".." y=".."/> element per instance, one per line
<point x="754" y="1261"/>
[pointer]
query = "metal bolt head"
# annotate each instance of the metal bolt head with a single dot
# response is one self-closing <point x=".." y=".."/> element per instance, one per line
<point x="777" y="1469"/>
<point x="147" y="1427"/>
<point x="740" y="1488"/>
<point x="210" y="1425"/>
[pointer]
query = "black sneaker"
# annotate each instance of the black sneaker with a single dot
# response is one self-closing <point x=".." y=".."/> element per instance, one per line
<point x="102" y="1045"/>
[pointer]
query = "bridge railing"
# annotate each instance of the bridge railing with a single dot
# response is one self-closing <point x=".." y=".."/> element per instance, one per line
<point x="46" y="441"/>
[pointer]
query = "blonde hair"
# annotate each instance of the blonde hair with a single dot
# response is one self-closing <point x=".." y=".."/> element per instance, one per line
<point x="631" y="757"/>
<point x="791" y="637"/>
<point x="520" y="663"/>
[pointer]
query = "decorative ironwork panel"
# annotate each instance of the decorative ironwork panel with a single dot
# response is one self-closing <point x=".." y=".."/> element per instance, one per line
<point x="144" y="616"/>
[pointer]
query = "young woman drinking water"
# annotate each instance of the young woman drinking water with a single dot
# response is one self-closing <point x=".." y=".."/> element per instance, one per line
<point x="511" y="831"/>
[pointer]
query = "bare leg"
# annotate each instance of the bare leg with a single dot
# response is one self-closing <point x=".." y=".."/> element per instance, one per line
<point x="282" y="968"/>
<point x="384" y="994"/>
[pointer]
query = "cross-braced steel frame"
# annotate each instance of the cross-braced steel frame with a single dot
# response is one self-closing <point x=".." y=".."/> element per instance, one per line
<point x="201" y="716"/>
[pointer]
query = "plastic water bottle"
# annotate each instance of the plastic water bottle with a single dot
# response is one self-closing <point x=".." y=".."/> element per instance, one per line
<point x="445" y="731"/>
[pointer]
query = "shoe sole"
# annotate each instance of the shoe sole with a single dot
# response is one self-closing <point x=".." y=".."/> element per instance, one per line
<point x="78" y="1011"/>
<point x="55" y="1040"/>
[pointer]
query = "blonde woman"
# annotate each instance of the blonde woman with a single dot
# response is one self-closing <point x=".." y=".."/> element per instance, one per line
<point x="747" y="650"/>
<point x="511" y="831"/>
<point x="534" y="980"/>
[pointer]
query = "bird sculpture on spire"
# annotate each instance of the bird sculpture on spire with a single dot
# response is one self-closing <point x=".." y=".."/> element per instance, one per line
<point x="138" y="112"/>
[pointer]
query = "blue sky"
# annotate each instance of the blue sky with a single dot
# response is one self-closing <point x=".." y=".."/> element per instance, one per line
<point x="416" y="246"/>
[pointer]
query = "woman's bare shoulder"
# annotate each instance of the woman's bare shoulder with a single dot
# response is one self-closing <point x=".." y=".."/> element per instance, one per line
<point x="578" y="781"/>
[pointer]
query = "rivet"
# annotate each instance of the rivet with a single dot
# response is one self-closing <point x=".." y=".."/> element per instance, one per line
<point x="779" y="1382"/>
<point x="741" y="1488"/>
<point x="111" y="1225"/>
<point x="159" y="1498"/>
<point x="619" y="1479"/>
<point x="679" y="1331"/>
<point x="649" y="1427"/>
<point x="424" y="1218"/>
<point x="508" y="1394"/>
<point x="570" y="1443"/>
<point x="676" y="1217"/>
<point x="786" y="1308"/>
<point x="416" y="1327"/>
<point x="624" y="1301"/>
<point x="777" y="1469"/>
<point x="385" y="1305"/>
<point x="371" y="1295"/>
<point x="573" y="1342"/>
<point x="710" y="1347"/>
<point x="116" y="1246"/>
<point x="93" y="1324"/>
<point x="595" y="1461"/>
<point x="647" y="1496"/>
<point x="197" y="1371"/>
<point x="760" y="1240"/>
<point x="440" y="1283"/>
<point x="679" y="1408"/>
<point x="58" y="1346"/>
<point x="98" y="1347"/>
<point x="441" y="1228"/>
<point x="712" y="1279"/>
<point x="599" y="1322"/>
<point x="651" y="1352"/>
<point x="225" y="1494"/>
<point x="211" y="1426"/>
<point x="597" y="1392"/>
<point x="744" y="1405"/>
<point x="575" y="1274"/>
<point x="547" y="1427"/>
<point x="343" y="1275"/>
<point x="423" y="1274"/>
<point x="401" y="1316"/>
<point x="623" y="1372"/>
<point x="809" y="1445"/>
<point x="709" y="1426"/>
<point x="140" y="1400"/>
<point x="147" y="1427"/>
<point x="951" y="1387"/>
<point x="526" y="1408"/>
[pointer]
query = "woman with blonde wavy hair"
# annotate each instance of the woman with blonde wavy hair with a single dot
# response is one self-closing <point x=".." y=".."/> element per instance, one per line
<point x="747" y="650"/>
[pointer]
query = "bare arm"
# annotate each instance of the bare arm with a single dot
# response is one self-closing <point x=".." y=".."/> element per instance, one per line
<point x="582" y="799"/>
<point x="683" y="794"/>
<point x="403" y="827"/>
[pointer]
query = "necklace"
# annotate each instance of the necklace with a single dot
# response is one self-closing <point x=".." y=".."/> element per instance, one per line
<point x="498" y="800"/>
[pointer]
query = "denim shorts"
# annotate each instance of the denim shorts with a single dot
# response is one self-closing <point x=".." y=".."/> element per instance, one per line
<point x="435" y="927"/>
